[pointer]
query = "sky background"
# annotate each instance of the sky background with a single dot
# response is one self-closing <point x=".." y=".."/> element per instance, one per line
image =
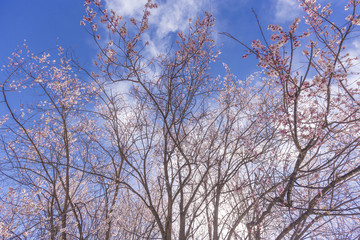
<point x="45" y="23"/>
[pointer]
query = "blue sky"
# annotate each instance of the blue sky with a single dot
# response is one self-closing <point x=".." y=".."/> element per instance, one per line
<point x="44" y="23"/>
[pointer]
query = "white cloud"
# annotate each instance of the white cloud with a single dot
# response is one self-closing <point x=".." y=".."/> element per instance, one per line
<point x="170" y="17"/>
<point x="354" y="52"/>
<point x="173" y="15"/>
<point x="286" y="10"/>
<point x="126" y="7"/>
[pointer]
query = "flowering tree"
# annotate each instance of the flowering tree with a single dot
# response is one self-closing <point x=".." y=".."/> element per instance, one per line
<point x="46" y="148"/>
<point x="180" y="154"/>
<point x="319" y="123"/>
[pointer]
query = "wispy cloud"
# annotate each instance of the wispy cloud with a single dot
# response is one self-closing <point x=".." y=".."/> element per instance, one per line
<point x="126" y="7"/>
<point x="354" y="52"/>
<point x="170" y="17"/>
<point x="286" y="10"/>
